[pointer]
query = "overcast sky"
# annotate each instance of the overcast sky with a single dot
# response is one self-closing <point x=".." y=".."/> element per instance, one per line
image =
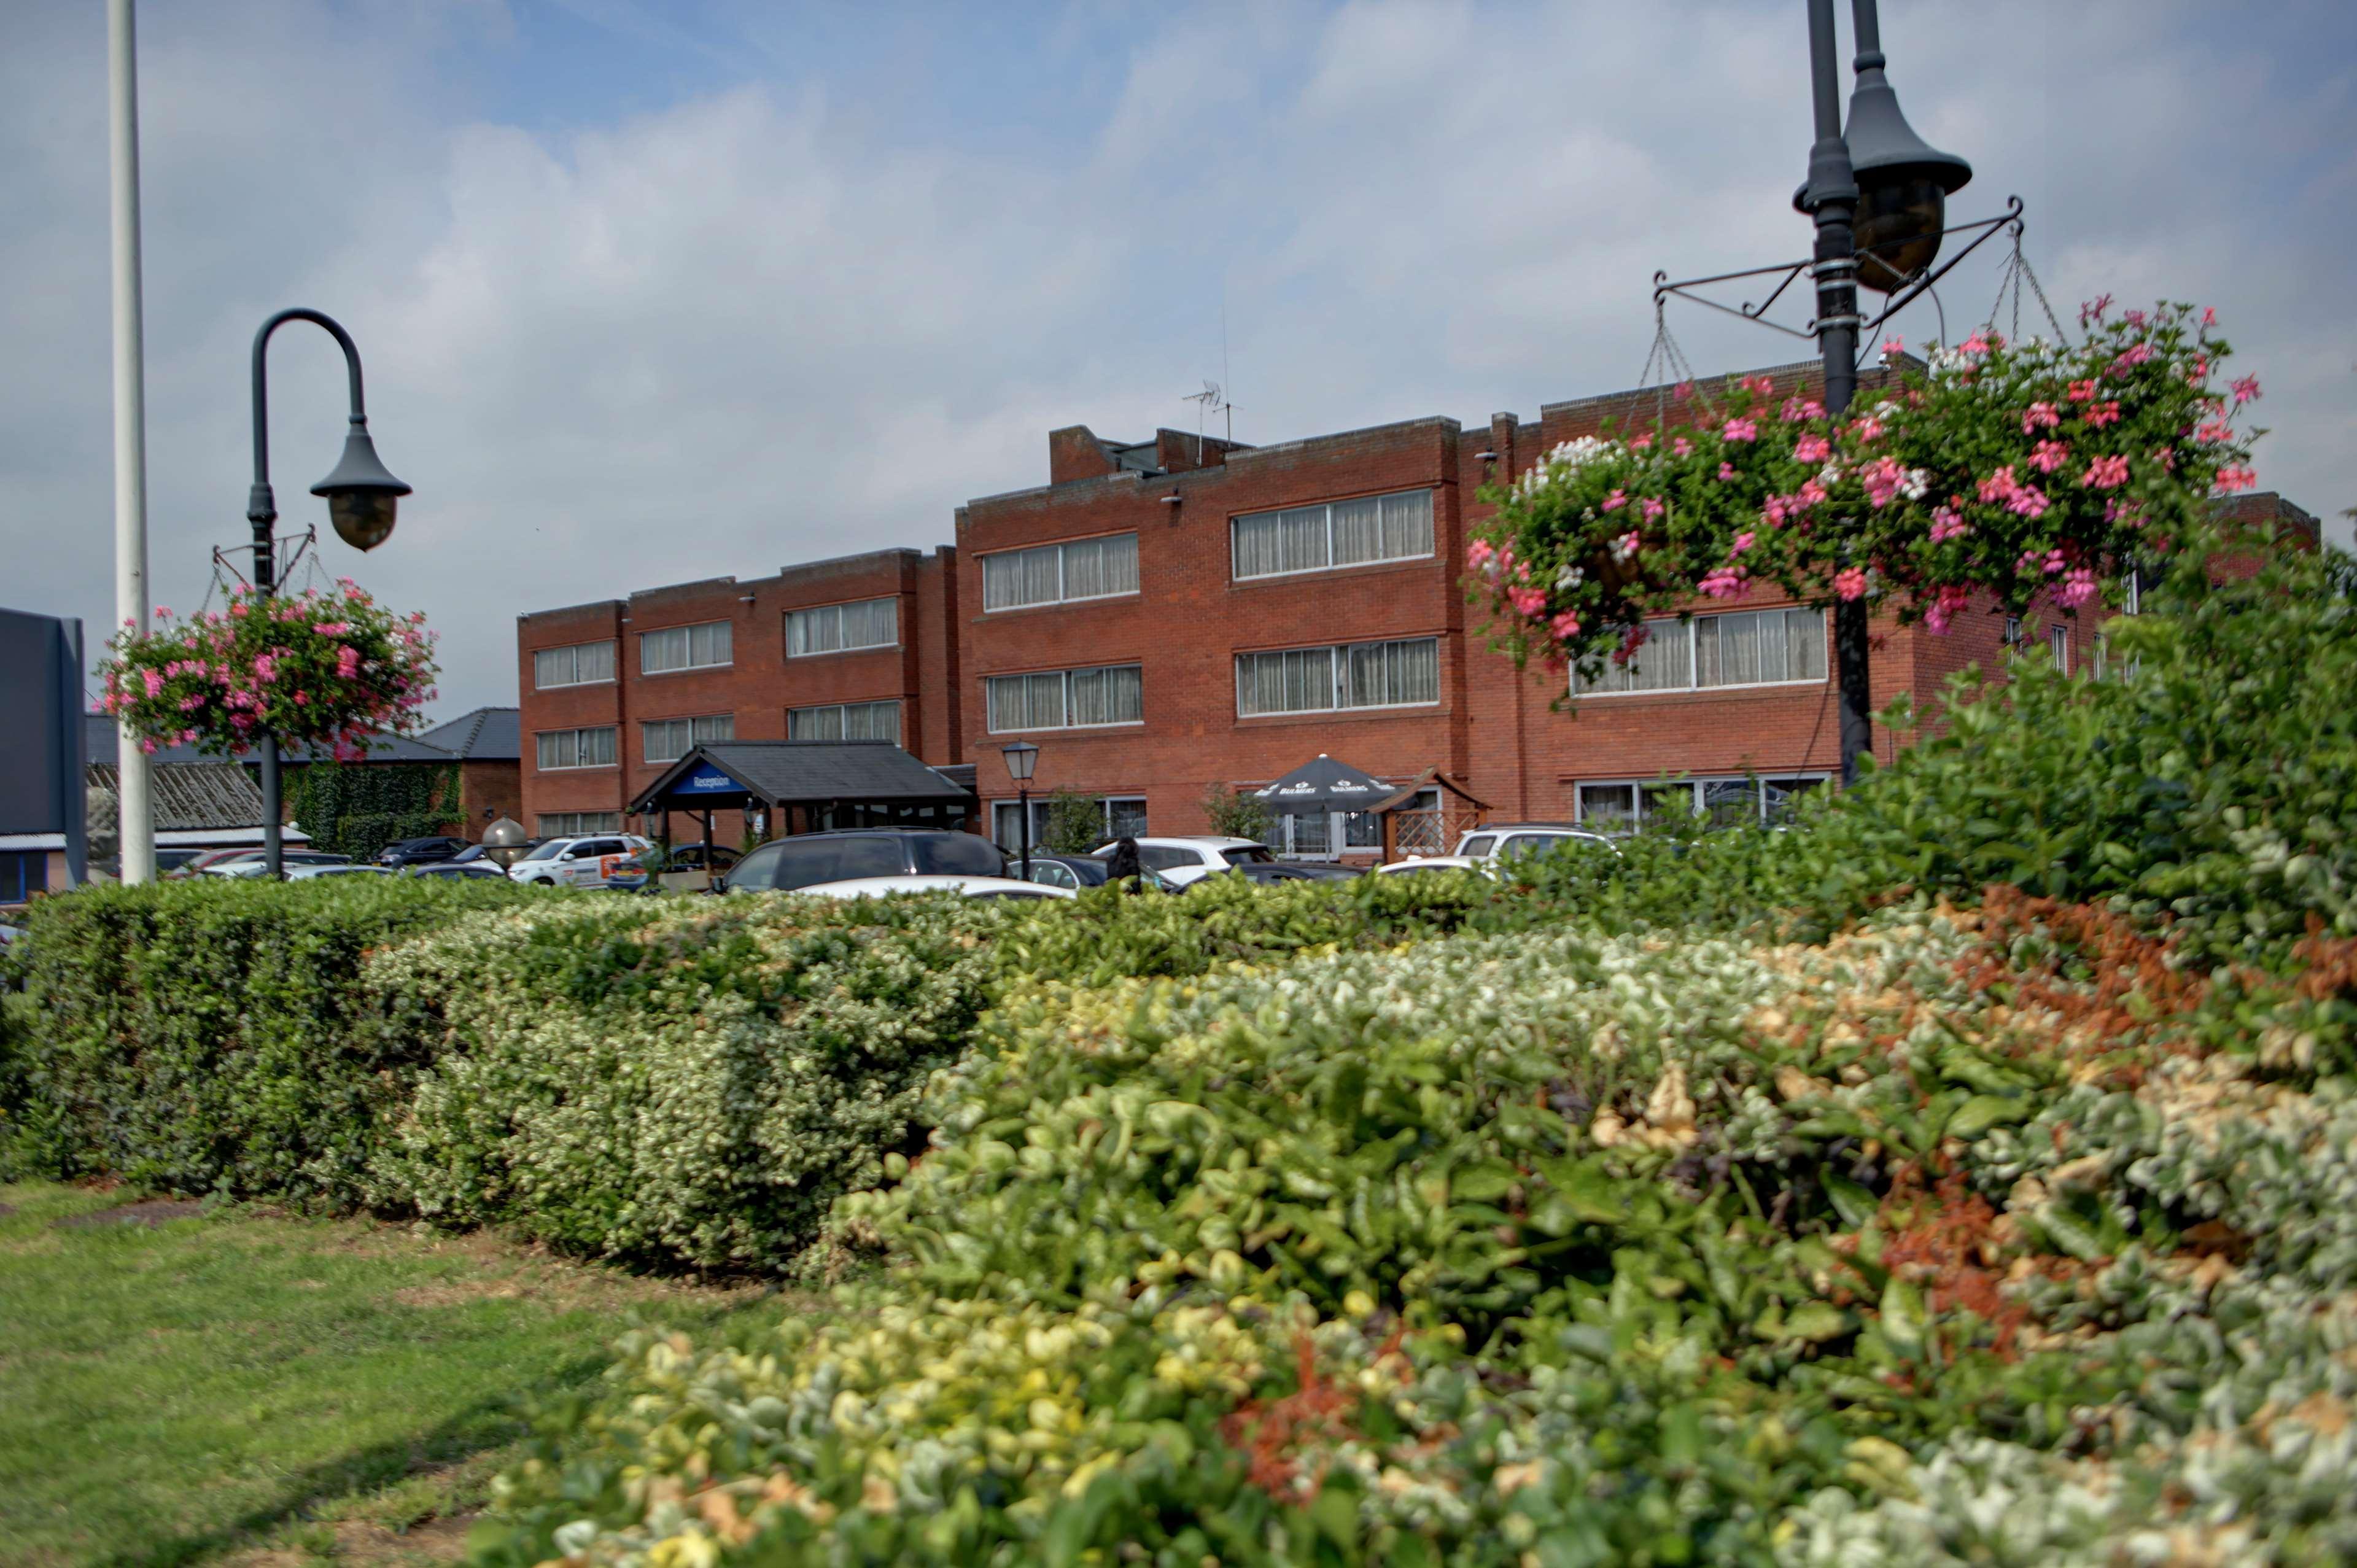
<point x="651" y="290"/>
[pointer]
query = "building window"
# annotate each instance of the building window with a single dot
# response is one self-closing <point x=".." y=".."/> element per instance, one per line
<point x="668" y="740"/>
<point x="1400" y="675"/>
<point x="1060" y="574"/>
<point x="573" y="824"/>
<point x="840" y="629"/>
<point x="684" y="647"/>
<point x="1721" y="802"/>
<point x="845" y="721"/>
<point x="1341" y="533"/>
<point x="23" y="873"/>
<point x="561" y="748"/>
<point x="583" y="664"/>
<point x="1125" y="817"/>
<point x="2058" y="643"/>
<point x="1066" y="699"/>
<point x="1748" y="648"/>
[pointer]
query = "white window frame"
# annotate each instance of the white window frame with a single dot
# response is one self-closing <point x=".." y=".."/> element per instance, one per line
<point x="1337" y="665"/>
<point x="549" y="829"/>
<point x="1138" y="723"/>
<point x="1063" y="596"/>
<point x="646" y="752"/>
<point x="1693" y="785"/>
<point x="1687" y="628"/>
<point x="1331" y="565"/>
<point x="842" y="709"/>
<point x="576" y="732"/>
<point x="688" y="633"/>
<point x="576" y="649"/>
<point x="797" y="617"/>
<point x="1003" y="811"/>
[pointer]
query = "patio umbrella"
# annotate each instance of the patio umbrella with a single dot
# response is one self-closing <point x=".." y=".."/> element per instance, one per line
<point x="1323" y="784"/>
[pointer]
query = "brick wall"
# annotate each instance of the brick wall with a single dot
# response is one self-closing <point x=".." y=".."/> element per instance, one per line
<point x="1503" y="734"/>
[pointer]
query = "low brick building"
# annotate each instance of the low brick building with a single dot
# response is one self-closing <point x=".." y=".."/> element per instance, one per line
<point x="1172" y="617"/>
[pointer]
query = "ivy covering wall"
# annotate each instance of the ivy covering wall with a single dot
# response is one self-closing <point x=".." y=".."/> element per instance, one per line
<point x="357" y="809"/>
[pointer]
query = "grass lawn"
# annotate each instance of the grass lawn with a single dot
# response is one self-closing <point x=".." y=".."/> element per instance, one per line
<point x="247" y="1388"/>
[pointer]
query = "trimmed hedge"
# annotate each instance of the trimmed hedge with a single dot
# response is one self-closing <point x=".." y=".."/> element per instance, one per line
<point x="210" y="1036"/>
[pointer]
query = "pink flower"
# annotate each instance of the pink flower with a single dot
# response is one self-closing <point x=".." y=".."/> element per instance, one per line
<point x="1999" y="485"/>
<point x="2230" y="479"/>
<point x="2215" y="433"/>
<point x="2078" y="587"/>
<point x="1742" y="542"/>
<point x="2130" y="512"/>
<point x="1797" y="408"/>
<point x="2040" y="416"/>
<point x="1526" y="602"/>
<point x="2093" y="309"/>
<point x="1640" y="443"/>
<point x="1566" y="625"/>
<point x="1654" y="508"/>
<point x="149" y="747"/>
<point x="2083" y="392"/>
<point x="1480" y="554"/>
<point x="1616" y="500"/>
<point x="2102" y="413"/>
<point x="1740" y="430"/>
<point x="302" y="699"/>
<point x="2209" y="315"/>
<point x="155" y="683"/>
<point x="163" y="612"/>
<point x="2131" y="358"/>
<point x="2105" y="473"/>
<point x="2133" y="317"/>
<point x="1882" y="478"/>
<point x="1948" y="523"/>
<point x="1944" y="607"/>
<point x="1724" y="583"/>
<point x="1975" y="346"/>
<point x="1812" y="449"/>
<point x="1625" y="548"/>
<point x="1727" y="470"/>
<point x="347" y="662"/>
<point x="1682" y="446"/>
<point x="1891" y="346"/>
<point x="1763" y="385"/>
<point x="2246" y="391"/>
<point x="2049" y="457"/>
<point x="1685" y="389"/>
<point x="1850" y="585"/>
<point x="1867" y="429"/>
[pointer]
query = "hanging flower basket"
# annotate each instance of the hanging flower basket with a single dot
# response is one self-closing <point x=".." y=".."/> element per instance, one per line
<point x="322" y="669"/>
<point x="2024" y="473"/>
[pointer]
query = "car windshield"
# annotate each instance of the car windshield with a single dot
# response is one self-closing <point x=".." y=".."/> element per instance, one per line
<point x="549" y="849"/>
<point x="957" y="855"/>
<point x="1249" y="854"/>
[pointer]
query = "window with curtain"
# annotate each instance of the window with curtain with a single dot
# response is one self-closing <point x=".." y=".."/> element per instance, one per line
<point x="573" y="824"/>
<point x="845" y="721"/>
<point x="1397" y="674"/>
<point x="841" y="629"/>
<point x="686" y="648"/>
<point x="1721" y="802"/>
<point x="1745" y="648"/>
<point x="582" y="664"/>
<point x="561" y="748"/>
<point x="668" y="740"/>
<point x="1060" y="574"/>
<point x="1066" y="699"/>
<point x="1344" y="534"/>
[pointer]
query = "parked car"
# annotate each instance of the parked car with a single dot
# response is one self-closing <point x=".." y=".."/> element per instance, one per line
<point x="690" y="857"/>
<point x="1286" y="871"/>
<point x="971" y="887"/>
<point x="458" y="871"/>
<point x="253" y="863"/>
<point x="1076" y="873"/>
<point x="1179" y="861"/>
<point x="1485" y="848"/>
<point x="590" y="860"/>
<point x="418" y="852"/>
<point x="201" y="861"/>
<point x="858" y="854"/>
<point x="313" y="873"/>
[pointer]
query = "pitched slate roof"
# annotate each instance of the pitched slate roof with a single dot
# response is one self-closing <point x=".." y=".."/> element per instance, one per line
<point x="191" y="796"/>
<point x="814" y="770"/>
<point x="486" y="735"/>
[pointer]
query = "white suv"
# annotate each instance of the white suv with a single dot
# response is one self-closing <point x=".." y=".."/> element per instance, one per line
<point x="1179" y="861"/>
<point x="590" y="861"/>
<point x="1483" y="847"/>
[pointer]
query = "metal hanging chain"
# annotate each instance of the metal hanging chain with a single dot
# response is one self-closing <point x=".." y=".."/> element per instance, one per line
<point x="2012" y="275"/>
<point x="1671" y="359"/>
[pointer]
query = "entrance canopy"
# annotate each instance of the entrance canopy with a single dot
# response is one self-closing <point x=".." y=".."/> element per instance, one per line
<point x="1323" y="784"/>
<point x="824" y="783"/>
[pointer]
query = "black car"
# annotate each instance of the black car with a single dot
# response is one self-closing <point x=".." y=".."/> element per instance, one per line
<point x="418" y="852"/>
<point x="460" y="870"/>
<point x="1078" y="872"/>
<point x="1283" y="871"/>
<point x="807" y="860"/>
<point x="690" y="857"/>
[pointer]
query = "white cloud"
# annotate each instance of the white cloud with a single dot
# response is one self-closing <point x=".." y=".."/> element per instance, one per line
<point x="754" y="327"/>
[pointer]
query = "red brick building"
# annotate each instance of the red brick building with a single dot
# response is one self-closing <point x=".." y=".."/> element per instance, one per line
<point x="1172" y="617"/>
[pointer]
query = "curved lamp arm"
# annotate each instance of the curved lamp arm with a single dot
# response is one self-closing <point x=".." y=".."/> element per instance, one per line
<point x="262" y="507"/>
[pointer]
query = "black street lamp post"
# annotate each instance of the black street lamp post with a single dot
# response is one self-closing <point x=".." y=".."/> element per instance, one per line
<point x="1022" y="757"/>
<point x="360" y="497"/>
<point x="1878" y="186"/>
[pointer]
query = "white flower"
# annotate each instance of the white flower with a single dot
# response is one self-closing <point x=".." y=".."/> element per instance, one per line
<point x="1571" y="577"/>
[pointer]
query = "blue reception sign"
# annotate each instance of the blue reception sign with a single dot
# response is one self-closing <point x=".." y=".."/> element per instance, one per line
<point x="707" y="780"/>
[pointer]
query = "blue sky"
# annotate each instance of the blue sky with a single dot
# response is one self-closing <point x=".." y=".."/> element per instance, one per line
<point x="653" y="291"/>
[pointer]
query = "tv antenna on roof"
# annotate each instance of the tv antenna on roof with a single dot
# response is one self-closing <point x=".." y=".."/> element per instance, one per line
<point x="1205" y="402"/>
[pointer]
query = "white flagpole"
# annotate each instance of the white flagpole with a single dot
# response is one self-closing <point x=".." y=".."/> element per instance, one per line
<point x="138" y="823"/>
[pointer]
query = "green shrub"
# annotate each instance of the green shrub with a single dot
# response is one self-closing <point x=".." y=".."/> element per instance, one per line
<point x="1233" y="814"/>
<point x="1075" y="824"/>
<point x="681" y="1081"/>
<point x="206" y="1035"/>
